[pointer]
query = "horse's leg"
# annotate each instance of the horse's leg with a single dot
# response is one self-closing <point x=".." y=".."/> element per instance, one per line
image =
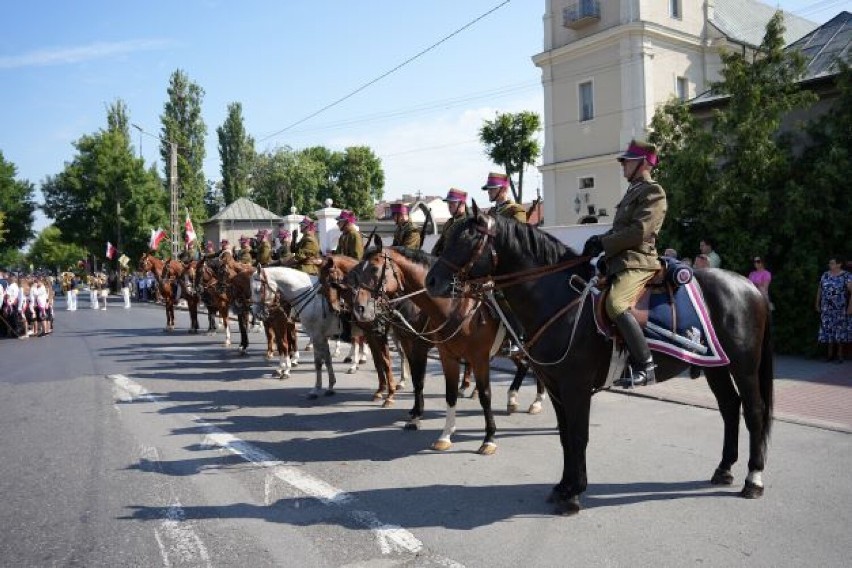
<point x="482" y="374"/>
<point x="326" y="357"/>
<point x="282" y="340"/>
<point x="541" y="393"/>
<point x="243" y="321"/>
<point x="574" y="437"/>
<point x="224" y="313"/>
<point x="722" y="385"/>
<point x="192" y="306"/>
<point x="512" y="404"/>
<point x="416" y="358"/>
<point x="451" y="367"/>
<point x="293" y="343"/>
<point x="271" y="330"/>
<point x="381" y="369"/>
<point x="404" y="366"/>
<point x="211" y="319"/>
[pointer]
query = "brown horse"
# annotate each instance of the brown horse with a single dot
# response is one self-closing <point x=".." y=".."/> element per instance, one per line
<point x="165" y="286"/>
<point x="184" y="275"/>
<point x="236" y="278"/>
<point x="461" y="329"/>
<point x="333" y="273"/>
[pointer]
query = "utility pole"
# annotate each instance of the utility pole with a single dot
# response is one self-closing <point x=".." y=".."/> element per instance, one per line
<point x="173" y="193"/>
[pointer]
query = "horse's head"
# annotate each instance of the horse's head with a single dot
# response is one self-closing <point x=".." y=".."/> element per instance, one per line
<point x="468" y="255"/>
<point x="375" y="279"/>
<point x="264" y="294"/>
<point x="145" y="263"/>
<point x="333" y="273"/>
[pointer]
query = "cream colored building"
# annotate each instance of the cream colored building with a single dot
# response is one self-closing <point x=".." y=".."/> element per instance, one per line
<point x="608" y="64"/>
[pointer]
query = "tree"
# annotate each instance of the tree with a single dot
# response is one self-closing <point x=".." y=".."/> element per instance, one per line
<point x="738" y="179"/>
<point x="50" y="250"/>
<point x="510" y="141"/>
<point x="287" y="178"/>
<point x="214" y="200"/>
<point x="106" y="189"/>
<point x="183" y="125"/>
<point x="236" y="151"/>
<point x="361" y="180"/>
<point x="17" y="204"/>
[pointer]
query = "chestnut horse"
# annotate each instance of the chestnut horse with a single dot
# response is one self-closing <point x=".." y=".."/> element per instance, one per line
<point x="334" y="274"/>
<point x="166" y="286"/>
<point x="236" y="278"/>
<point x="535" y="270"/>
<point x="184" y="275"/>
<point x="461" y="329"/>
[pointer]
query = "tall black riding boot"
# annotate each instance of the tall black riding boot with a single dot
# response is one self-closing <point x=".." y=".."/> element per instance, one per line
<point x="640" y="355"/>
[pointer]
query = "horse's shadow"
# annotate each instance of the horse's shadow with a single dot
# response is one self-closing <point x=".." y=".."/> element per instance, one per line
<point x="459" y="507"/>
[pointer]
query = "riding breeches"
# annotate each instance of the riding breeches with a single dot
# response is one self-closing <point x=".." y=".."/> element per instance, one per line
<point x="626" y="287"/>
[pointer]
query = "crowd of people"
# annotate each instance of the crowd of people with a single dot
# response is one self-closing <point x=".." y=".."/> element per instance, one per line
<point x="27" y="305"/>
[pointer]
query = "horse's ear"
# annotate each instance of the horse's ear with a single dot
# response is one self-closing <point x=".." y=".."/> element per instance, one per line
<point x="378" y="242"/>
<point x="474" y="207"/>
<point x="328" y="263"/>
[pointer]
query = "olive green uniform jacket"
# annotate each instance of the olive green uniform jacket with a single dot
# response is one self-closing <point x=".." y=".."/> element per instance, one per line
<point x="245" y="255"/>
<point x="350" y="244"/>
<point x="264" y="253"/>
<point x="631" y="243"/>
<point x="406" y="235"/>
<point x="511" y="210"/>
<point x="307" y="249"/>
<point x="445" y="230"/>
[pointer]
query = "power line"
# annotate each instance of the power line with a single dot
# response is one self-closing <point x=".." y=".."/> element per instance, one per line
<point x="386" y="73"/>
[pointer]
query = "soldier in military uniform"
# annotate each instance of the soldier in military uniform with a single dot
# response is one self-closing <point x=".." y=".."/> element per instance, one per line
<point x="264" y="248"/>
<point x="350" y="242"/>
<point x="498" y="192"/>
<point x="457" y="204"/>
<point x="245" y="254"/>
<point x="631" y="254"/>
<point x="224" y="246"/>
<point x="307" y="249"/>
<point x="406" y="234"/>
<point x="283" y="253"/>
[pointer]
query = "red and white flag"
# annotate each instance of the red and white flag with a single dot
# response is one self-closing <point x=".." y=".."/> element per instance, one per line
<point x="110" y="251"/>
<point x="157" y="236"/>
<point x="190" y="231"/>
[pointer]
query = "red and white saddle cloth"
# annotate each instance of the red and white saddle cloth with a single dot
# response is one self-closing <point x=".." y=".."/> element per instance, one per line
<point x="675" y="322"/>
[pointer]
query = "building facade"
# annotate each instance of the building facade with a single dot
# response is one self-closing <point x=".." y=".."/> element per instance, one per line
<point x="606" y="67"/>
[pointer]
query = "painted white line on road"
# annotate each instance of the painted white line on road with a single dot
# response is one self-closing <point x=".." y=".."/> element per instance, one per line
<point x="391" y="538"/>
<point x="179" y="545"/>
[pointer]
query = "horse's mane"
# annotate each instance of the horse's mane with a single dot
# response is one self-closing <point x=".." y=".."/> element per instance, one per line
<point x="416" y="256"/>
<point x="526" y="240"/>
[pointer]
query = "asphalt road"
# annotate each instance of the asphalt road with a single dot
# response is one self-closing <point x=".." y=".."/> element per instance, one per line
<point x="127" y="446"/>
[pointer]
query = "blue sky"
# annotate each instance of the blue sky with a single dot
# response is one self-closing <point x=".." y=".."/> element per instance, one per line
<point x="62" y="63"/>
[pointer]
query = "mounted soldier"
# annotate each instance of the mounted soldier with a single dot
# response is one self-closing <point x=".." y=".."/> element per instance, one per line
<point x="264" y="248"/>
<point x="497" y="186"/>
<point x="307" y="250"/>
<point x="245" y="254"/>
<point x="406" y="234"/>
<point x="350" y="242"/>
<point x="631" y="253"/>
<point x="457" y="204"/>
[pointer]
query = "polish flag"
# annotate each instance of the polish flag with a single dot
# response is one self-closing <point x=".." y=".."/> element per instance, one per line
<point x="157" y="236"/>
<point x="190" y="231"/>
<point x="110" y="251"/>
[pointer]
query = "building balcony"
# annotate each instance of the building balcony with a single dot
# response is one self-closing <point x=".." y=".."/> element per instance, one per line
<point x="581" y="14"/>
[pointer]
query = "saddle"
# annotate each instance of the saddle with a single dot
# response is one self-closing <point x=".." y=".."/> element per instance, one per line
<point x="673" y="315"/>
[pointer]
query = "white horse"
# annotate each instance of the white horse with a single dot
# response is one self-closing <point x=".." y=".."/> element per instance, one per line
<point x="301" y="291"/>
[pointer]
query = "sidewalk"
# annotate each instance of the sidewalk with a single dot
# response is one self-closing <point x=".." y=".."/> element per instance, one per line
<point x="807" y="391"/>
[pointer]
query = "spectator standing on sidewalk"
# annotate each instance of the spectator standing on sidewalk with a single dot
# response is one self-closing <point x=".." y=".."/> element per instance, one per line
<point x="834" y="304"/>
<point x="761" y="278"/>
<point x="707" y="247"/>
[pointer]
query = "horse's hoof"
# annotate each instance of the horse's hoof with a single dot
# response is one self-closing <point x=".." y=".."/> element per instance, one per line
<point x="270" y="356"/>
<point x="400" y="386"/>
<point x="283" y="376"/>
<point x="487" y="449"/>
<point x="330" y="392"/>
<point x="751" y="491"/>
<point x="510" y="408"/>
<point x="377" y="396"/>
<point x="474" y="393"/>
<point x="347" y="359"/>
<point x="362" y="361"/>
<point x="243" y="352"/>
<point x="568" y="507"/>
<point x="441" y="445"/>
<point x="410" y="426"/>
<point x="535" y="408"/>
<point x="389" y="402"/>
<point x="722" y="477"/>
<point x="351" y="370"/>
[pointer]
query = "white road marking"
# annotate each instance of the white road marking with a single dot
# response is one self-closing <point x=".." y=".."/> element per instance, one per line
<point x="391" y="538"/>
<point x="179" y="545"/>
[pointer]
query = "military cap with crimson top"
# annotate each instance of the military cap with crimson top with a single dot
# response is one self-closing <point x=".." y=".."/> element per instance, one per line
<point x="456" y="195"/>
<point x="496" y="181"/>
<point x="347" y="216"/>
<point x="283" y="234"/>
<point x="224" y="242"/>
<point x="640" y="151"/>
<point x="399" y="208"/>
<point x="307" y="223"/>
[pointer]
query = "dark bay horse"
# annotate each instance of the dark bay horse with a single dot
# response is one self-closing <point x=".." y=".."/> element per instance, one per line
<point x="236" y="278"/>
<point x="166" y="286"/>
<point x="462" y="329"/>
<point x="572" y="359"/>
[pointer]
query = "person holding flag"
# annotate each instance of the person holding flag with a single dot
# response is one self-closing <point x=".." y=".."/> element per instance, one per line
<point x="157" y="237"/>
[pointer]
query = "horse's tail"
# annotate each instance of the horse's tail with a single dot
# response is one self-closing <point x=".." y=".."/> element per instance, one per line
<point x="766" y="376"/>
